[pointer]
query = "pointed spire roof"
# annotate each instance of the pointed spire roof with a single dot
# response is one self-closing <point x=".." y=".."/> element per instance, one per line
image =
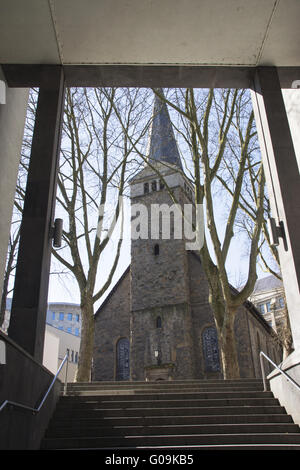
<point x="162" y="145"/>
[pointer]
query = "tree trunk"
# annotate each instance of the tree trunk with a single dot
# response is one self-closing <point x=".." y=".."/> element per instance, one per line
<point x="228" y="348"/>
<point x="87" y="341"/>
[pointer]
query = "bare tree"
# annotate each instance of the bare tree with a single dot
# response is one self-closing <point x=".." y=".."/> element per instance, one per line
<point x="97" y="158"/>
<point x="213" y="123"/>
<point x="96" y="161"/>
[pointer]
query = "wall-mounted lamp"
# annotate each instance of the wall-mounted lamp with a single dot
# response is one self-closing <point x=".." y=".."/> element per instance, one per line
<point x="56" y="233"/>
<point x="276" y="232"/>
<point x="2" y="352"/>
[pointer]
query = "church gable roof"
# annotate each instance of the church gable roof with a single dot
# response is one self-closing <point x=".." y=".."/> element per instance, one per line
<point x="114" y="290"/>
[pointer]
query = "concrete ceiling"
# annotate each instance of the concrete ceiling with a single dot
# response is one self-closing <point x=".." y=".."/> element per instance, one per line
<point x="195" y="32"/>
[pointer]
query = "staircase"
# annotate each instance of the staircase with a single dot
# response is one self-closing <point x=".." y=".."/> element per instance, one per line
<point x="194" y="414"/>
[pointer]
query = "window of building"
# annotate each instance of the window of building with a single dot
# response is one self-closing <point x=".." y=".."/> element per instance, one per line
<point x="156" y="249"/>
<point x="268" y="305"/>
<point x="281" y="302"/>
<point x="158" y="322"/>
<point x="161" y="184"/>
<point x="69" y="329"/>
<point x="261" y="308"/>
<point x="76" y="357"/>
<point x="53" y="315"/>
<point x="77" y="317"/>
<point x="61" y="316"/>
<point x="154" y="185"/>
<point x="76" y="331"/>
<point x="146" y="188"/>
<point x="70" y="316"/>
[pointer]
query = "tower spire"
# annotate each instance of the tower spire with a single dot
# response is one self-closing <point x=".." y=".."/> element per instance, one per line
<point x="162" y="145"/>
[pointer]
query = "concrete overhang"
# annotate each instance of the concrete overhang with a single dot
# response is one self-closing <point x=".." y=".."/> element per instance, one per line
<point x="144" y="32"/>
<point x="149" y="43"/>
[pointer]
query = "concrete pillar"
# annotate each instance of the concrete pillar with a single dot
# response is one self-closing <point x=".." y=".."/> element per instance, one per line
<point x="291" y="99"/>
<point x="283" y="182"/>
<point x="29" y="306"/>
<point x="279" y="153"/>
<point x="12" y="120"/>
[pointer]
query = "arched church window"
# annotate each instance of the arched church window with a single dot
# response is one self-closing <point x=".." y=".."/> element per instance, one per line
<point x="146" y="188"/>
<point x="154" y="185"/>
<point x="156" y="249"/>
<point x="123" y="366"/>
<point x="158" y="322"/>
<point x="211" y="349"/>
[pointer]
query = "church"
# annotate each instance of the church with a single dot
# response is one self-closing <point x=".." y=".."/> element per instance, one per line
<point x="157" y="323"/>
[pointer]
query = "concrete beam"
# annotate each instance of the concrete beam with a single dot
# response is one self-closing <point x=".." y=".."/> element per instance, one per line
<point x="165" y="76"/>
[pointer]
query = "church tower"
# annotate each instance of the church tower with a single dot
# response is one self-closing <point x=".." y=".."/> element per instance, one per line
<point x="161" y="324"/>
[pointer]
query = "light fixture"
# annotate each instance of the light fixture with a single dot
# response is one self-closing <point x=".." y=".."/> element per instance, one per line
<point x="56" y="233"/>
<point x="276" y="232"/>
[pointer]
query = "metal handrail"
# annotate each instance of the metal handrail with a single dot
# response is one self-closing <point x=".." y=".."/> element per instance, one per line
<point x="36" y="410"/>
<point x="261" y="355"/>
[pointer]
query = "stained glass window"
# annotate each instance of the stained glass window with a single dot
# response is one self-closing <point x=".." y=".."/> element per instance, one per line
<point x="123" y="370"/>
<point x="211" y="349"/>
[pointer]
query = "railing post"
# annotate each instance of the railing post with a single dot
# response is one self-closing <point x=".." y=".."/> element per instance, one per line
<point x="263" y="371"/>
<point x="66" y="376"/>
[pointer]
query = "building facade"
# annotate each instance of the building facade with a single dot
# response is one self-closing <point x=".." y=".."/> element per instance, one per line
<point x="157" y="323"/>
<point x="62" y="336"/>
<point x="269" y="298"/>
<point x="63" y="321"/>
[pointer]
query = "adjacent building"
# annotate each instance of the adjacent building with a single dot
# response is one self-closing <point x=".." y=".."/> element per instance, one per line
<point x="62" y="336"/>
<point x="269" y="298"/>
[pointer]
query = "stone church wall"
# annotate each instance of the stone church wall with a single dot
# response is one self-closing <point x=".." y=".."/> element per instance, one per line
<point x="252" y="333"/>
<point x="178" y="336"/>
<point x="111" y="324"/>
<point x="172" y="340"/>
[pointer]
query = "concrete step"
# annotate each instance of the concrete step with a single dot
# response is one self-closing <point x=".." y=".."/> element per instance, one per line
<point x="179" y="411"/>
<point x="146" y="391"/>
<point x="165" y="382"/>
<point x="73" y="400"/>
<point x="93" y="422"/>
<point x="178" y="415"/>
<point x="170" y="429"/>
<point x="160" y="402"/>
<point x="159" y="441"/>
<point x="172" y="411"/>
<point x="158" y="386"/>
